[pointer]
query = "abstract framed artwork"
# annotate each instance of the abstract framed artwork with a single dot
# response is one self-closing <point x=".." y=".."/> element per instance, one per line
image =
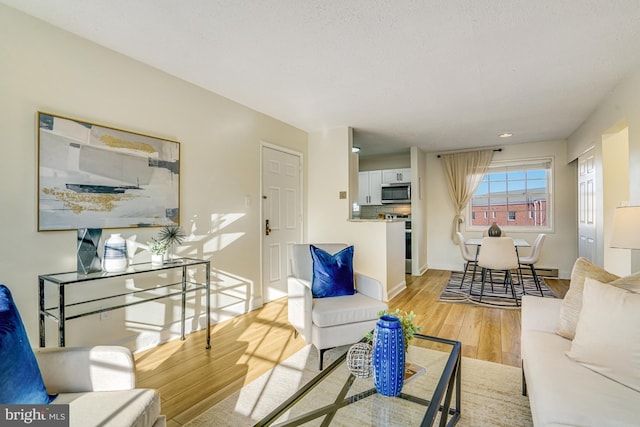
<point x="94" y="176"/>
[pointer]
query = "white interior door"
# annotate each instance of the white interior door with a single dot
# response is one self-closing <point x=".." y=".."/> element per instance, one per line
<point x="587" y="206"/>
<point x="281" y="218"/>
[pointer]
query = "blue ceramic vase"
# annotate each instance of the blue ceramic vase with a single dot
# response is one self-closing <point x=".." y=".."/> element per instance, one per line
<point x="388" y="356"/>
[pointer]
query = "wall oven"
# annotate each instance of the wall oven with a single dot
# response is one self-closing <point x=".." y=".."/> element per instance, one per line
<point x="396" y="193"/>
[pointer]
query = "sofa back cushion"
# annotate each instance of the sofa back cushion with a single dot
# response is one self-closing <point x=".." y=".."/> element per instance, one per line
<point x="630" y="283"/>
<point x="20" y="378"/>
<point x="572" y="303"/>
<point x="607" y="338"/>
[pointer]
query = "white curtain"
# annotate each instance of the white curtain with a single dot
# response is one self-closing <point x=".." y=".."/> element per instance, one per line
<point x="464" y="172"/>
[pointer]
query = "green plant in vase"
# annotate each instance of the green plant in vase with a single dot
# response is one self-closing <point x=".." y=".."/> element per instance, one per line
<point x="172" y="235"/>
<point x="157" y="250"/>
<point x="157" y="247"/>
<point x="406" y="322"/>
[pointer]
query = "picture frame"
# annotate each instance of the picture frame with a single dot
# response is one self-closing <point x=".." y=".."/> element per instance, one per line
<point x="96" y="176"/>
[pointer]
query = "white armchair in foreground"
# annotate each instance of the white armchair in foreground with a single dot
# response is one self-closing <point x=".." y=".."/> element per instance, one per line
<point x="98" y="384"/>
<point x="333" y="321"/>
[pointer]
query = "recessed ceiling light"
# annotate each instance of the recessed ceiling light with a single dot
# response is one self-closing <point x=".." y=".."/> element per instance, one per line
<point x="505" y="135"/>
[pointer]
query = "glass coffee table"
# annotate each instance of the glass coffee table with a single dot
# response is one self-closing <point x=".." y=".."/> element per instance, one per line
<point x="336" y="398"/>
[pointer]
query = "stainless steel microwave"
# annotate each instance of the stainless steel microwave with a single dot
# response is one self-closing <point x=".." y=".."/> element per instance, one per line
<point x="396" y="193"/>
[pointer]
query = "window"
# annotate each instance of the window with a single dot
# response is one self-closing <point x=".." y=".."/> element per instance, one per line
<point x="518" y="195"/>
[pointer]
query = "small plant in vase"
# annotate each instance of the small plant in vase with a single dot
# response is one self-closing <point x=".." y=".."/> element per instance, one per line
<point x="157" y="249"/>
<point x="172" y="235"/>
<point x="406" y="323"/>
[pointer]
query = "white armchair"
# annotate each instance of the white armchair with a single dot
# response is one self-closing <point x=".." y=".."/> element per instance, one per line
<point x="98" y="384"/>
<point x="330" y="322"/>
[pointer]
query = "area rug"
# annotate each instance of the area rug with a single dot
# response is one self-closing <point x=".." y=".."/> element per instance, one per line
<point x="498" y="297"/>
<point x="491" y="394"/>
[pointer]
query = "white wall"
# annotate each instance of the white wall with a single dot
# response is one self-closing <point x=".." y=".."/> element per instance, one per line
<point x="560" y="248"/>
<point x="377" y="243"/>
<point x="615" y="149"/>
<point x="418" y="211"/>
<point x="622" y="105"/>
<point x="47" y="69"/>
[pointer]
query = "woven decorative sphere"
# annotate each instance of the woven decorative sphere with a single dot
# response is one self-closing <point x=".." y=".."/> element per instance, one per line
<point x="359" y="360"/>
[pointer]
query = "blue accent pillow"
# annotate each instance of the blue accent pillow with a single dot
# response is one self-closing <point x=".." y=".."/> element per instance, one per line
<point x="20" y="378"/>
<point x="332" y="274"/>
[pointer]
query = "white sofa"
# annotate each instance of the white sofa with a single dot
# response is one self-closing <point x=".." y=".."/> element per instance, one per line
<point x="330" y="322"/>
<point x="561" y="391"/>
<point x="98" y="383"/>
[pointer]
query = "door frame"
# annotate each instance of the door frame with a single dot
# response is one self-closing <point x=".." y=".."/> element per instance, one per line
<point x="265" y="144"/>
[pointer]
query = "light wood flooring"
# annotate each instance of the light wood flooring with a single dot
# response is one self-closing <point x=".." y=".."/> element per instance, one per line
<point x="192" y="379"/>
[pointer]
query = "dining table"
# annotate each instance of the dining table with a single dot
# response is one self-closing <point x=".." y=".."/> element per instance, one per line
<point x="477" y="241"/>
<point x="518" y="243"/>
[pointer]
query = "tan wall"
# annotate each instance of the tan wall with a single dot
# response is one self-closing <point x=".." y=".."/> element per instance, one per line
<point x="44" y="68"/>
<point x="387" y="161"/>
<point x="560" y="248"/>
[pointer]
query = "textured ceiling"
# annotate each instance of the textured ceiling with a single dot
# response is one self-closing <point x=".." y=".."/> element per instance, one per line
<point x="438" y="74"/>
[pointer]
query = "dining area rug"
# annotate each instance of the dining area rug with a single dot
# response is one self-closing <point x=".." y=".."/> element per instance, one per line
<point x="499" y="296"/>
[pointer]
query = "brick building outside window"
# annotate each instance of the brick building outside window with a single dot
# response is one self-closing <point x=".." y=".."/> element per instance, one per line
<point x="514" y="194"/>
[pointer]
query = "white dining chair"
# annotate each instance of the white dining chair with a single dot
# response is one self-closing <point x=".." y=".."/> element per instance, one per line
<point x="533" y="258"/>
<point x="469" y="257"/>
<point x="499" y="254"/>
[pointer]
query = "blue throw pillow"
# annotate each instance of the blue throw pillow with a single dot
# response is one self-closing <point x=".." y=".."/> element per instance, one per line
<point x="20" y="378"/>
<point x="332" y="274"/>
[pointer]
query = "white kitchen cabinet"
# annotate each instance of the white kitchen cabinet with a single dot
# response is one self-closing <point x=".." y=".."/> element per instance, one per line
<point x="370" y="188"/>
<point x="395" y="176"/>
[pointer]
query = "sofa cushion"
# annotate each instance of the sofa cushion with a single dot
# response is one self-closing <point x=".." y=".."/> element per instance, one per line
<point x="630" y="283"/>
<point x="345" y="310"/>
<point x="572" y="302"/>
<point x="19" y="372"/>
<point x="563" y="392"/>
<point x="607" y="337"/>
<point x="135" y="408"/>
<point x="332" y="274"/>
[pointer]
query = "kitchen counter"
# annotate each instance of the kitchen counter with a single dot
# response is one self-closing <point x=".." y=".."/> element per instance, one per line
<point x="377" y="242"/>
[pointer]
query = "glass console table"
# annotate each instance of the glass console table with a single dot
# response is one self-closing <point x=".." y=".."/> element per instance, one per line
<point x="335" y="397"/>
<point x="61" y="311"/>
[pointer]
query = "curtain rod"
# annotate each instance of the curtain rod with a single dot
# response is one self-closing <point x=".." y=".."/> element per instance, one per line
<point x="466" y="151"/>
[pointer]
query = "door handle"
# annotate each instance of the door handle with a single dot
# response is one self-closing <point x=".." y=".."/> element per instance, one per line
<point x="267" y="228"/>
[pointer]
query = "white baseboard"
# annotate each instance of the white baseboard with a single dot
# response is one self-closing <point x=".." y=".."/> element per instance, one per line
<point x="450" y="267"/>
<point x="395" y="290"/>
